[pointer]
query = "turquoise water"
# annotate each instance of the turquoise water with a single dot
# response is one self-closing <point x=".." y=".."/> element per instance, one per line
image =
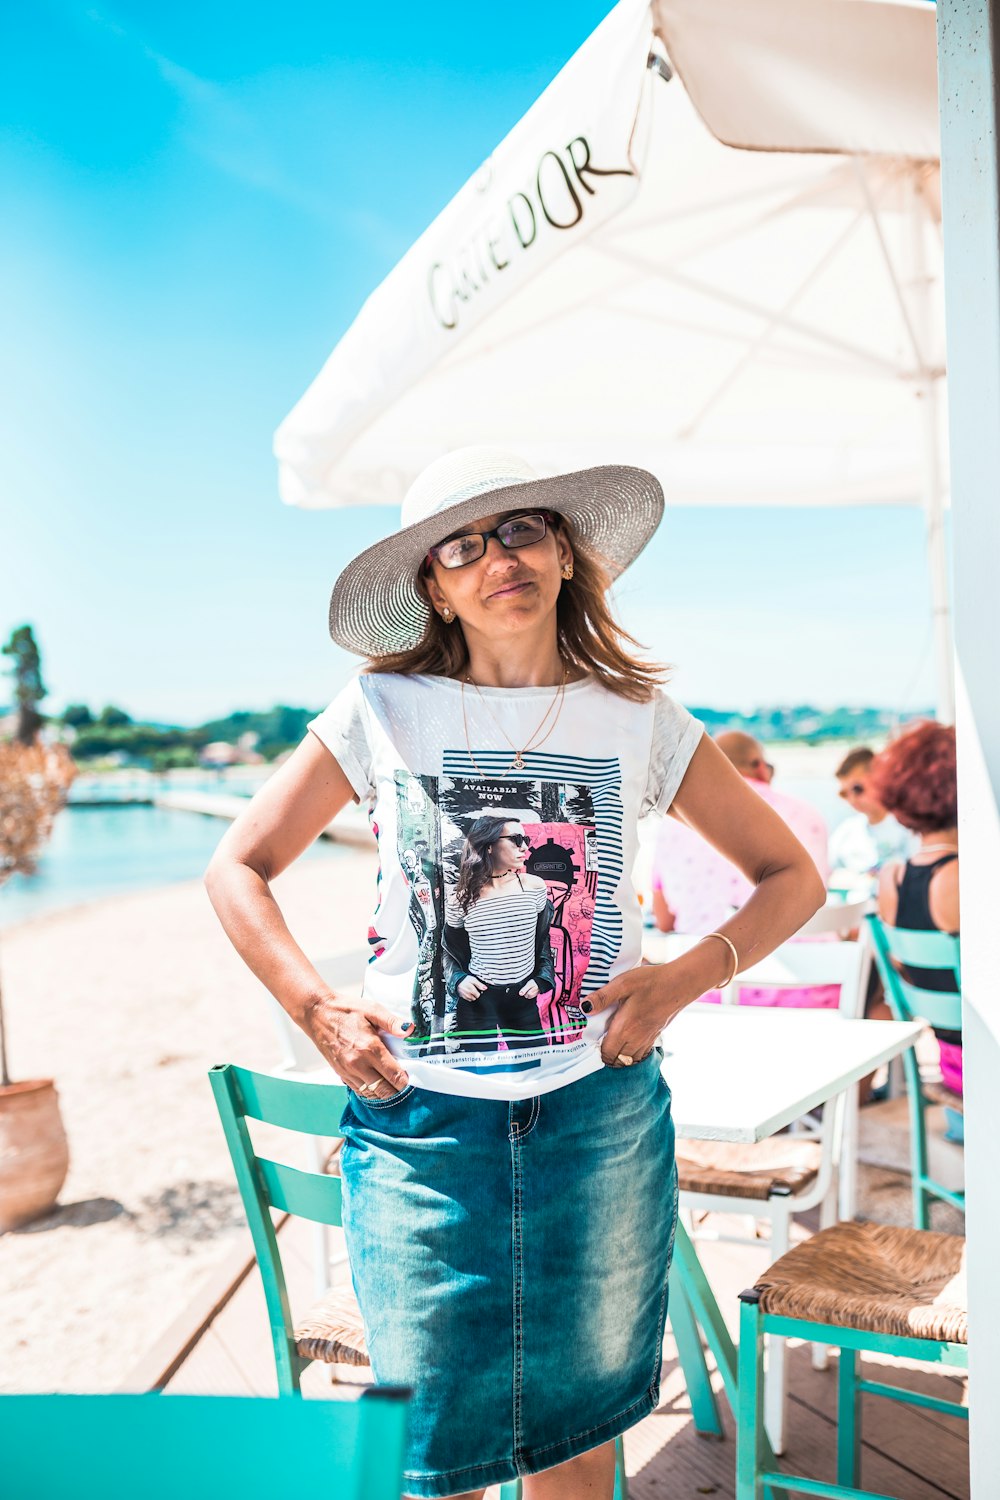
<point x="105" y="851"/>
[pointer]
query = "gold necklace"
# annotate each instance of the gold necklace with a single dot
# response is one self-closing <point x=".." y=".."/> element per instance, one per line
<point x="518" y="763"/>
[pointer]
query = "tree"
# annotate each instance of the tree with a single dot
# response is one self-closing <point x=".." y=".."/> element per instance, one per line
<point x="34" y="782"/>
<point x="77" y="716"/>
<point x="29" y="690"/>
<point x="114" y="718"/>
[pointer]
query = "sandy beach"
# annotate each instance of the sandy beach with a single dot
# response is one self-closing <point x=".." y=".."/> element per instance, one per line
<point x="127" y="1003"/>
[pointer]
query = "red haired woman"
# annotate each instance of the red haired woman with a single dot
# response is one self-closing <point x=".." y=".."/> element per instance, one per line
<point x="915" y="777"/>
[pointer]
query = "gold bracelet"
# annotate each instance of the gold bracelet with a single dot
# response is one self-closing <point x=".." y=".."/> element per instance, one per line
<point x="736" y="957"/>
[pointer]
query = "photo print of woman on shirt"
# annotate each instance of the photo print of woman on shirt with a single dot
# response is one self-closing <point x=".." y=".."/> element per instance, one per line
<point x="502" y="902"/>
<point x="505" y="961"/>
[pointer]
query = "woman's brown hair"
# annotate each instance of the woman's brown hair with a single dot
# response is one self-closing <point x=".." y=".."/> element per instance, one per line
<point x="589" y="636"/>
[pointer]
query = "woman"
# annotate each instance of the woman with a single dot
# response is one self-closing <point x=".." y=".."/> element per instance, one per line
<point x="916" y="778"/>
<point x="498" y="940"/>
<point x="509" y="1217"/>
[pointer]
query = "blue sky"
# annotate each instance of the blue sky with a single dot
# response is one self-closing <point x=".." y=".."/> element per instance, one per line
<point x="196" y="200"/>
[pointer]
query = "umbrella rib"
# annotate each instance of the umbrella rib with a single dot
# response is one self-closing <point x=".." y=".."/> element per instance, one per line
<point x="774" y="322"/>
<point x="890" y="268"/>
<point x="854" y="361"/>
<point x="792" y="188"/>
<point x="742" y="304"/>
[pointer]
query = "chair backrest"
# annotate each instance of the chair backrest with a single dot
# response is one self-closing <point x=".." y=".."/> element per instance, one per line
<point x="791" y="966"/>
<point x="794" y="965"/>
<point x="298" y="1053"/>
<point x="922" y="950"/>
<point x="202" y="1447"/>
<point x="310" y="1109"/>
<point x="344" y="973"/>
<point x="840" y="916"/>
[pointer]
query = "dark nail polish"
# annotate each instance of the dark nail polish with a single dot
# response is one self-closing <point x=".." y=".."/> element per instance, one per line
<point x="407" y="1025"/>
<point x="586" y="1007"/>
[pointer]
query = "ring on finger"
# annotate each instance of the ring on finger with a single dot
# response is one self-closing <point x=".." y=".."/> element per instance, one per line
<point x="625" y="1059"/>
<point x="369" y="1088"/>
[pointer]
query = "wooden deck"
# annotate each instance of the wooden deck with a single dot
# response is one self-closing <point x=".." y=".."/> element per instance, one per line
<point x="908" y="1453"/>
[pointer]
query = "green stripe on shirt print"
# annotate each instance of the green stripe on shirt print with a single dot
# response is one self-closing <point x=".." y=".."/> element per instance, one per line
<point x="543" y="925"/>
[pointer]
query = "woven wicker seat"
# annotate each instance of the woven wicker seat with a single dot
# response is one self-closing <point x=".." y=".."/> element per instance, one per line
<point x="782" y="1164"/>
<point x="909" y="1282"/>
<point x="332" y="1331"/>
<point x="939" y="1093"/>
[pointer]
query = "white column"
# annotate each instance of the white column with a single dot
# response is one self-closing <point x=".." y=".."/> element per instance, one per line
<point x="928" y="395"/>
<point x="967" y="63"/>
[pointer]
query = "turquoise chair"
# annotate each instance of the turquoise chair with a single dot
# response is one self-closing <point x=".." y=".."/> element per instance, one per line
<point x="332" y="1331"/>
<point x="201" y="1447"/>
<point x="909" y="1002"/>
<point x="856" y="1286"/>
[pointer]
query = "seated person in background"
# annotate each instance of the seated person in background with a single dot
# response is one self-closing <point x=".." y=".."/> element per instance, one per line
<point x="863" y="842"/>
<point x="916" y="778"/>
<point x="695" y="887"/>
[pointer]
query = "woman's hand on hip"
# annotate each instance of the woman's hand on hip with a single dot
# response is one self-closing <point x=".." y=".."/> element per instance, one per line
<point x="529" y="990"/>
<point x="471" y="988"/>
<point x="348" y="1037"/>
<point x="645" y="1005"/>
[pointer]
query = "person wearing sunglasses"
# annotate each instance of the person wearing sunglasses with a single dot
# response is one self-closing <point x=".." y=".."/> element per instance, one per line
<point x="497" y="955"/>
<point x="871" y="835"/>
<point x="509" y="1212"/>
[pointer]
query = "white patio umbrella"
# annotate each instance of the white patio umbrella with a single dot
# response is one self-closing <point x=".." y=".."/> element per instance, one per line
<point x="711" y="248"/>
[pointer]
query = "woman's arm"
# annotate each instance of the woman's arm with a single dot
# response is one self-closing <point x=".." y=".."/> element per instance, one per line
<point x="942" y="897"/>
<point x="662" y="915"/>
<point x="279" y="823"/>
<point x="716" y="801"/>
<point x="888" y="890"/>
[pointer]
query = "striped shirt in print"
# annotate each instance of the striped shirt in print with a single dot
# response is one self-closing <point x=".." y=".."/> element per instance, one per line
<point x="604" y="778"/>
<point x="501" y="931"/>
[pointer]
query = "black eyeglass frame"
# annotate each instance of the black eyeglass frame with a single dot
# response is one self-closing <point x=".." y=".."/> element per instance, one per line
<point x="547" y="519"/>
<point x="520" y="839"/>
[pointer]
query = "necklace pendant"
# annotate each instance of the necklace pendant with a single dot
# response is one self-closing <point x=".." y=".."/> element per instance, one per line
<point x="517" y="764"/>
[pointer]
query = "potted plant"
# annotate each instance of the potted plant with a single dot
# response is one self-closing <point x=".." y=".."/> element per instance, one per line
<point x="34" y="782"/>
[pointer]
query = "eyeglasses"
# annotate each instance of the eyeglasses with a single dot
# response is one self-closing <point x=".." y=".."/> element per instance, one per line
<point x="517" y="531"/>
<point x="520" y="839"/>
<point x="855" y="788"/>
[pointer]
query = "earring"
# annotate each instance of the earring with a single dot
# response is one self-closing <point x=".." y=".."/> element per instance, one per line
<point x="447" y="615"/>
<point x="567" y="571"/>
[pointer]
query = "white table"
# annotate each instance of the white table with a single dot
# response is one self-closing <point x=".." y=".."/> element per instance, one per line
<point x="740" y="1074"/>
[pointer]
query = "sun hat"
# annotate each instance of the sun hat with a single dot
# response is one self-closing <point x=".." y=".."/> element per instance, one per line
<point x="376" y="607"/>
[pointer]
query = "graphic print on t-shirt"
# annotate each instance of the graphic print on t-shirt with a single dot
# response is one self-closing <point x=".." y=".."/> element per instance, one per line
<point x="500" y="964"/>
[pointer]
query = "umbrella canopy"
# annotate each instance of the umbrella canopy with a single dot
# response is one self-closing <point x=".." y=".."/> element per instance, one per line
<point x="618" y="284"/>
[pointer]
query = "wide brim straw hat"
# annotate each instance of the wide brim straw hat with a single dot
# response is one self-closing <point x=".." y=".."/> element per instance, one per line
<point x="376" y="607"/>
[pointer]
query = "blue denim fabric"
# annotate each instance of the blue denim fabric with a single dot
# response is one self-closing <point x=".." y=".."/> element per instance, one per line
<point x="511" y="1262"/>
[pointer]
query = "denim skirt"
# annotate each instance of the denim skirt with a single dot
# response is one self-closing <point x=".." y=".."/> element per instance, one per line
<point x="511" y="1262"/>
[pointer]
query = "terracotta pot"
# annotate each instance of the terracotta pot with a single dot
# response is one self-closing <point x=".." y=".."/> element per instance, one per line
<point x="34" y="1155"/>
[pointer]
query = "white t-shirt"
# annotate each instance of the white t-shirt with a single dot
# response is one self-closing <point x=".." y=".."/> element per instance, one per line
<point x="862" y="847"/>
<point x="401" y="743"/>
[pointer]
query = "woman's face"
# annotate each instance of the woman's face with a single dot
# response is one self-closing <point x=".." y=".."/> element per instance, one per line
<point x="507" y="855"/>
<point x="505" y="590"/>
